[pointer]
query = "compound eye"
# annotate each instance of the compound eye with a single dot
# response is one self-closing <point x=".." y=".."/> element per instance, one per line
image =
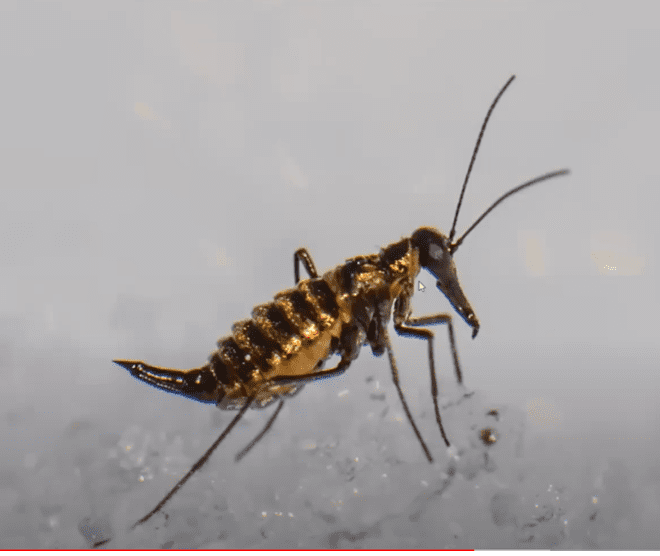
<point x="436" y="252"/>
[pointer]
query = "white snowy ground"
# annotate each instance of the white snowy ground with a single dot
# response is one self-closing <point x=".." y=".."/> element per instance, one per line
<point x="335" y="473"/>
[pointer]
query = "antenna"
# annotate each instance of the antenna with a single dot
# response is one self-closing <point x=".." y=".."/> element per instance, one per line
<point x="454" y="246"/>
<point x="474" y="155"/>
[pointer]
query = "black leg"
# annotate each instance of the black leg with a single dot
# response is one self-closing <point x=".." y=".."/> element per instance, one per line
<point x="257" y="438"/>
<point x="441" y="318"/>
<point x="303" y="255"/>
<point x="341" y="368"/>
<point x="318" y="375"/>
<point x="395" y="379"/>
<point x="201" y="461"/>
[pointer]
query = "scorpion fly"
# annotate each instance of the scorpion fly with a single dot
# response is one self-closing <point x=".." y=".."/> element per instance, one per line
<point x="285" y="344"/>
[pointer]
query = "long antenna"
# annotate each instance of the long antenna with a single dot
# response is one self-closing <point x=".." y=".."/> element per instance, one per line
<point x="454" y="246"/>
<point x="474" y="155"/>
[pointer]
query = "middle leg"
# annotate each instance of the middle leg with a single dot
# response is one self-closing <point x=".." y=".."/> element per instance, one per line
<point x="405" y="328"/>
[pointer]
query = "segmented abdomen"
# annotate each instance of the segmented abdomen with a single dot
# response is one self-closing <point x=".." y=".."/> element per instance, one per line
<point x="291" y="335"/>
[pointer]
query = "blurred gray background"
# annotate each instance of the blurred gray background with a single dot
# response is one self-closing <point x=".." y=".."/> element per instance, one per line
<point x="161" y="162"/>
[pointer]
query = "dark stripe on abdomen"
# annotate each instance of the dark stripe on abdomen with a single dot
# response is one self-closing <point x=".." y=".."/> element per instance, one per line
<point x="324" y="296"/>
<point x="234" y="357"/>
<point x="257" y="342"/>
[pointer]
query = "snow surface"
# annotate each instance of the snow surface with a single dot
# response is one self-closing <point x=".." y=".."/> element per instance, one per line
<point x="359" y="481"/>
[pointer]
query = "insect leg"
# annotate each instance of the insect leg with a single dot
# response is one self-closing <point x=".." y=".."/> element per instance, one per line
<point x="303" y="255"/>
<point x="257" y="438"/>
<point x="201" y="461"/>
<point x="341" y="368"/>
<point x="441" y="318"/>
<point x="395" y="379"/>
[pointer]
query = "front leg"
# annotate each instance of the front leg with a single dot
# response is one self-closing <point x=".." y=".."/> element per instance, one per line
<point x="403" y="325"/>
<point x="440" y="318"/>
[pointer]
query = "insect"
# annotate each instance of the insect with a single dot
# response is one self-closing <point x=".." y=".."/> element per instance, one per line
<point x="285" y="344"/>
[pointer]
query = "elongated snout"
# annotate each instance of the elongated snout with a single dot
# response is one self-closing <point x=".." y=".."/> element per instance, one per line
<point x="454" y="293"/>
<point x="435" y="256"/>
